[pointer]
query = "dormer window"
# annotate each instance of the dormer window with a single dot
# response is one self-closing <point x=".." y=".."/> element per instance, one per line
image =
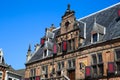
<point x="45" y="53"/>
<point x="97" y="32"/>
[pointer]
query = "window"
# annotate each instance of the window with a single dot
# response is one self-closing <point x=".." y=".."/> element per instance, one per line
<point x="100" y="67"/>
<point x="73" y="44"/>
<point x="32" y="74"/>
<point x="97" y="65"/>
<point x="71" y="63"/>
<point x="100" y="58"/>
<point x="117" y="54"/>
<point x="60" y="65"/>
<point x="117" y="59"/>
<point x="45" y="53"/>
<point x="66" y="25"/>
<point x="0" y="75"/>
<point x="44" y="69"/>
<point x="118" y="67"/>
<point x="94" y="71"/>
<point x="59" y="48"/>
<point x="95" y="37"/>
<point x="69" y="45"/>
<point x="94" y="59"/>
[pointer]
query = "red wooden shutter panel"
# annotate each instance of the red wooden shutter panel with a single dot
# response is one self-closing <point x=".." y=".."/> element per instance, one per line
<point x="64" y="46"/>
<point x="119" y="13"/>
<point x="26" y="79"/>
<point x="37" y="78"/>
<point x="54" y="48"/>
<point x="87" y="71"/>
<point x="111" y="67"/>
<point x="42" y="41"/>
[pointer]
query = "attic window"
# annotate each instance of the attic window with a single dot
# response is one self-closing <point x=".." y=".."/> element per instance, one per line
<point x="45" y="53"/>
<point x="94" y="37"/>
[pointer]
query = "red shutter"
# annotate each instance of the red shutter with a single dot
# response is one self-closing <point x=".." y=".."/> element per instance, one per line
<point x="87" y="71"/>
<point x="26" y="79"/>
<point x="37" y="78"/>
<point x="42" y="41"/>
<point x="54" y="48"/>
<point x="64" y="46"/>
<point x="119" y="13"/>
<point x="111" y="68"/>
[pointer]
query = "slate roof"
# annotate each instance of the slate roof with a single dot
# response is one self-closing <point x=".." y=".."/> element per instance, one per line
<point x="37" y="55"/>
<point x="104" y="18"/>
<point x="21" y="72"/>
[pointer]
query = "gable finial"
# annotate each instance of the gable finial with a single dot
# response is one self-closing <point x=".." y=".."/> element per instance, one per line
<point x="29" y="49"/>
<point x="68" y="7"/>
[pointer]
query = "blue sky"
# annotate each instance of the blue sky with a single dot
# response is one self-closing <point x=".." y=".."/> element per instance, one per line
<point x="23" y="22"/>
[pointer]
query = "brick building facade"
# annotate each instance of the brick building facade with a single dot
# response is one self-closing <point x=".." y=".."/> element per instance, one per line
<point x="86" y="48"/>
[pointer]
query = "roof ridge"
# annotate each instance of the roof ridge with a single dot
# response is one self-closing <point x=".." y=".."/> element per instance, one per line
<point x="99" y="11"/>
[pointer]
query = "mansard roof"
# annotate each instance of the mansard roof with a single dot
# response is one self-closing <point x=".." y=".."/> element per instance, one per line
<point x="104" y="19"/>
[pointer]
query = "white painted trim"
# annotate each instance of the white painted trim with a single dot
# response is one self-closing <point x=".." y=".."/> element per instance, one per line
<point x="56" y="28"/>
<point x="100" y="11"/>
<point x="98" y="36"/>
<point x="91" y="38"/>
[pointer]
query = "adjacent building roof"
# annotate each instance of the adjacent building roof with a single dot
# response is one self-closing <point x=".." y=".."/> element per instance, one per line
<point x="21" y="72"/>
<point x="37" y="55"/>
<point x="104" y="19"/>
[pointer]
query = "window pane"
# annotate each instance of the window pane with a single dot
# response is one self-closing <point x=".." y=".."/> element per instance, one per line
<point x="59" y="66"/>
<point x="95" y="37"/>
<point x="69" y="63"/>
<point x="118" y="54"/>
<point x="94" y="71"/>
<point x="73" y="62"/>
<point x="100" y="57"/>
<point x="62" y="64"/>
<point x="118" y="66"/>
<point x="100" y="69"/>
<point x="94" y="58"/>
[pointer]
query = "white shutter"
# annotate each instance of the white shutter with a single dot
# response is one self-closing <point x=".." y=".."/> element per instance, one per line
<point x="49" y="34"/>
<point x="48" y="45"/>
